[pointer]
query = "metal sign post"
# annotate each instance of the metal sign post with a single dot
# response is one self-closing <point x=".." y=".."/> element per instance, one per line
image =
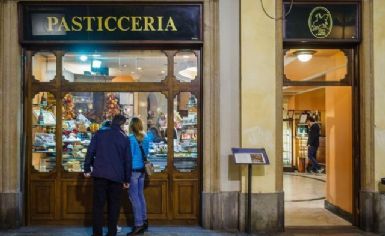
<point x="250" y="156"/>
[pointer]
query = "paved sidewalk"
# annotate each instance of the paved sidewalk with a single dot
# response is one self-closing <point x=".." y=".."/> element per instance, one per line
<point x="182" y="231"/>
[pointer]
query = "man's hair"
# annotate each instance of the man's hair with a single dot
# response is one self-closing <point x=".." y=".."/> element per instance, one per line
<point x="310" y="118"/>
<point x="119" y="120"/>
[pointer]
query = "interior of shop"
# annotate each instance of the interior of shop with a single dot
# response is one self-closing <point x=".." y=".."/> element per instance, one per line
<point x="313" y="197"/>
<point x="83" y="113"/>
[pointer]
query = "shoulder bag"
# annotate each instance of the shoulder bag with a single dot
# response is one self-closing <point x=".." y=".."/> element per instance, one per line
<point x="148" y="166"/>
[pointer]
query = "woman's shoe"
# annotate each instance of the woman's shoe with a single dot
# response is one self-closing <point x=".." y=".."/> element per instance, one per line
<point x="136" y="230"/>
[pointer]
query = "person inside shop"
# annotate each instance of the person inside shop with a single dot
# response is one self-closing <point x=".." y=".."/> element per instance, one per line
<point x="312" y="144"/>
<point x="154" y="135"/>
<point x="111" y="173"/>
<point x="139" y="149"/>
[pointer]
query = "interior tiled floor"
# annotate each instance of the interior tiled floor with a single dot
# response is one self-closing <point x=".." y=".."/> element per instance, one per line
<point x="304" y="201"/>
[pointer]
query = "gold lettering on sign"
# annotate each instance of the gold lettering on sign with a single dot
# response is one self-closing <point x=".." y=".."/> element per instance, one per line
<point x="100" y="23"/>
<point x="77" y="24"/>
<point x="51" y="22"/>
<point x="160" y="23"/>
<point x="89" y="19"/>
<point x="148" y="23"/>
<point x="107" y="25"/>
<point x="135" y="23"/>
<point x="110" y="23"/>
<point x="170" y="24"/>
<point x="63" y="24"/>
<point x="120" y="24"/>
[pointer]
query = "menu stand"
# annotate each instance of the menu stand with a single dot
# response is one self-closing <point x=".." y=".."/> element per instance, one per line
<point x="250" y="156"/>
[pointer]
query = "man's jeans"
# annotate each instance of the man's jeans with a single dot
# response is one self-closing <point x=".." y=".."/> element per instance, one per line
<point x="105" y="189"/>
<point x="311" y="154"/>
<point x="136" y="195"/>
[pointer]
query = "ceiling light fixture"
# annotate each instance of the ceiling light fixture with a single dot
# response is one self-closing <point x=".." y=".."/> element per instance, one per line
<point x="96" y="63"/>
<point x="83" y="58"/>
<point x="304" y="55"/>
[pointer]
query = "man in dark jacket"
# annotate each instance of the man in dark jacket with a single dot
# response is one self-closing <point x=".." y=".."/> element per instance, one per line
<point x="313" y="143"/>
<point x="110" y="156"/>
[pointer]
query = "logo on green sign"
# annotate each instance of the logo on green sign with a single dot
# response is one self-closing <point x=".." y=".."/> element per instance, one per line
<point x="320" y="22"/>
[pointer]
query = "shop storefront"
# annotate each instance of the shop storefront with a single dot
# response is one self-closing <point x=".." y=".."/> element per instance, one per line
<point x="84" y="63"/>
<point x="205" y="76"/>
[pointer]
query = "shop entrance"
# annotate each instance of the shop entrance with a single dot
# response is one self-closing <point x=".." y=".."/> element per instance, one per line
<point x="70" y="94"/>
<point x="318" y="105"/>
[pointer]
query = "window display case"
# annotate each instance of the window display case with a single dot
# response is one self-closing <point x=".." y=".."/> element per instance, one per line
<point x="63" y="119"/>
<point x="288" y="143"/>
<point x="186" y="142"/>
<point x="43" y="132"/>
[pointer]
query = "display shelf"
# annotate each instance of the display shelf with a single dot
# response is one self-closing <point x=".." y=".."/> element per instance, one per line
<point x="43" y="151"/>
<point x="189" y="124"/>
<point x="43" y="125"/>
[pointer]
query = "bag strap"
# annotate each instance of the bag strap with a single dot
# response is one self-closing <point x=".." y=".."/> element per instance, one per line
<point x="142" y="150"/>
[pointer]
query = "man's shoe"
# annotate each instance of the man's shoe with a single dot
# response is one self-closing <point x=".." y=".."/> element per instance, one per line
<point x="321" y="170"/>
<point x="145" y="225"/>
<point x="136" y="230"/>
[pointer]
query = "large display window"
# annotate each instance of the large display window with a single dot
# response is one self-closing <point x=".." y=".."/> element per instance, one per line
<point x="73" y="94"/>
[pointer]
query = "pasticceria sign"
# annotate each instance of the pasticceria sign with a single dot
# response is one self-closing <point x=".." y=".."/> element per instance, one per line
<point x="102" y="22"/>
<point x="109" y="23"/>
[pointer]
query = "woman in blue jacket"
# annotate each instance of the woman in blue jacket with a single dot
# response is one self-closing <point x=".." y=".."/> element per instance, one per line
<point x="139" y="148"/>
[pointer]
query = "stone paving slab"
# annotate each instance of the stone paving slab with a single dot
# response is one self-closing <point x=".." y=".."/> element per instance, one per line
<point x="184" y="231"/>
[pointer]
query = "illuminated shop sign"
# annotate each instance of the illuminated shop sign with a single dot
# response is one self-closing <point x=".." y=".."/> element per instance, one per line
<point x="321" y="21"/>
<point x="162" y="22"/>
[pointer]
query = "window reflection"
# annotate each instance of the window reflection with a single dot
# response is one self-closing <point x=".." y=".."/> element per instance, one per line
<point x="44" y="66"/>
<point x="43" y="132"/>
<point x="115" y="66"/>
<point x="186" y="66"/>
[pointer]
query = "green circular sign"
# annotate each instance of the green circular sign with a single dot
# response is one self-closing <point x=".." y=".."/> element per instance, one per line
<point x="320" y="22"/>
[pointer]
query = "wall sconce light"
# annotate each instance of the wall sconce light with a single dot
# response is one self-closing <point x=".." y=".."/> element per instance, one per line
<point x="304" y="55"/>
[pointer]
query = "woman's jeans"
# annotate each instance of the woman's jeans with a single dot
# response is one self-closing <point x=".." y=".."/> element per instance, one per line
<point x="136" y="195"/>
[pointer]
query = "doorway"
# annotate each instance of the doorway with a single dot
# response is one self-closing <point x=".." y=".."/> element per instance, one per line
<point x="318" y="92"/>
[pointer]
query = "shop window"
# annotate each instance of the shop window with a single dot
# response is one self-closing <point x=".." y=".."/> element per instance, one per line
<point x="186" y="132"/>
<point x="44" y="66"/>
<point x="186" y="66"/>
<point x="317" y="65"/>
<point x="115" y="66"/>
<point x="44" y="132"/>
<point x="84" y="113"/>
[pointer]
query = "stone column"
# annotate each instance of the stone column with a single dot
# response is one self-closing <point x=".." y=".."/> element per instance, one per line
<point x="224" y="200"/>
<point x="11" y="198"/>
<point x="261" y="107"/>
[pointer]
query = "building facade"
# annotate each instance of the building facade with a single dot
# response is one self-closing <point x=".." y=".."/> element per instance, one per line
<point x="240" y="61"/>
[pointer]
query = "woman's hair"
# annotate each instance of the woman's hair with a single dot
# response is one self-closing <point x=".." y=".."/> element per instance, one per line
<point x="136" y="127"/>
